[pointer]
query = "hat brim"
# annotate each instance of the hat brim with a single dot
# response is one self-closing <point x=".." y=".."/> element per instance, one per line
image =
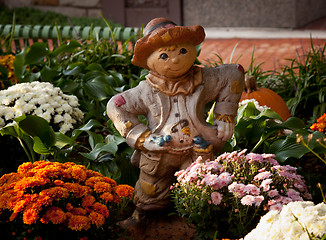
<point x="166" y="37"/>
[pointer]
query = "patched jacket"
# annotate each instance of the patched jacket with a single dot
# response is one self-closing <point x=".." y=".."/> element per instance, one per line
<point x="223" y="84"/>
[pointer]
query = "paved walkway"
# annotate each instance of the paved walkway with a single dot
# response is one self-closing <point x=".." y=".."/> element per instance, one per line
<point x="271" y="46"/>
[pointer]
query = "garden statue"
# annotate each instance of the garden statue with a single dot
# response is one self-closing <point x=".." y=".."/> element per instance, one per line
<point x="173" y="99"/>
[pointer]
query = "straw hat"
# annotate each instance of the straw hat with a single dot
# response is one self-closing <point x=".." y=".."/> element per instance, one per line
<point x="160" y="32"/>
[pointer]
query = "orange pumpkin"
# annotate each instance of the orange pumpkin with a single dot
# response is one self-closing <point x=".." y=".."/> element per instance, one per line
<point x="265" y="96"/>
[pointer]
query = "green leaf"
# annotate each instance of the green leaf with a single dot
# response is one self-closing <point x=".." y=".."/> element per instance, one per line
<point x="210" y="117"/>
<point x="10" y="129"/>
<point x="95" y="67"/>
<point x="69" y="47"/>
<point x="118" y="77"/>
<point x="19" y="66"/>
<point x="100" y="147"/>
<point x="114" y="139"/>
<point x="40" y="147"/>
<point x="294" y="123"/>
<point x="94" y="139"/>
<point x="287" y="148"/>
<point x="90" y="124"/>
<point x="95" y="88"/>
<point x="36" y="53"/>
<point x="49" y="74"/>
<point x="72" y="72"/>
<point x="269" y="114"/>
<point x="36" y="126"/>
<point x="63" y="140"/>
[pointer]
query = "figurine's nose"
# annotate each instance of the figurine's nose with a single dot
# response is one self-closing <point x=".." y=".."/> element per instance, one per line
<point x="175" y="60"/>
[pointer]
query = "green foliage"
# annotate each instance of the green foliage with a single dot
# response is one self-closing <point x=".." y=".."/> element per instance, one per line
<point x="85" y="146"/>
<point x="32" y="16"/>
<point x="93" y="71"/>
<point x="34" y="134"/>
<point x="256" y="130"/>
<point x="302" y="83"/>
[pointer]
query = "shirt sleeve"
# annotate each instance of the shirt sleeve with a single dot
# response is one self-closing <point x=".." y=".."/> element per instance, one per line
<point x="124" y="108"/>
<point x="226" y="83"/>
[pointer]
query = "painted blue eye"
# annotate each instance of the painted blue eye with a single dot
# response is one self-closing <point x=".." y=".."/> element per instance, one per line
<point x="183" y="51"/>
<point x="164" y="56"/>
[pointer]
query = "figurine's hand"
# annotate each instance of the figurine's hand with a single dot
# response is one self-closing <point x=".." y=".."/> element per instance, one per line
<point x="157" y="142"/>
<point x="225" y="130"/>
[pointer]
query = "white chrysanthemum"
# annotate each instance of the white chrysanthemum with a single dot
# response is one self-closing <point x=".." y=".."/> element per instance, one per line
<point x="58" y="118"/>
<point x="294" y="222"/>
<point x="41" y="99"/>
<point x="259" y="108"/>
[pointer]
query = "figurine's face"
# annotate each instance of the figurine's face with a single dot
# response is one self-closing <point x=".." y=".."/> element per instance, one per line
<point x="172" y="61"/>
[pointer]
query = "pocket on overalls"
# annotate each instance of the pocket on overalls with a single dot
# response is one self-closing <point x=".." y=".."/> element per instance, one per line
<point x="149" y="162"/>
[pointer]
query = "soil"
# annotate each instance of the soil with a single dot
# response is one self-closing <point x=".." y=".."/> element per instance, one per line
<point x="158" y="227"/>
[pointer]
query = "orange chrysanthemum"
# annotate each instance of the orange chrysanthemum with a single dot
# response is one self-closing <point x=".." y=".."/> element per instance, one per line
<point x="320" y="125"/>
<point x="124" y="191"/>
<point x="107" y="197"/>
<point x="92" y="180"/>
<point x="101" y="208"/>
<point x="77" y="189"/>
<point x="91" y="173"/>
<point x="88" y="201"/>
<point x="79" y="223"/>
<point x="101" y="187"/>
<point x="25" y="167"/>
<point x="30" y="215"/>
<point x="13" y="216"/>
<point x="38" y="190"/>
<point x="55" y="214"/>
<point x="55" y="192"/>
<point x="97" y="218"/>
<point x="77" y="172"/>
<point x="110" y="180"/>
<point x="79" y="211"/>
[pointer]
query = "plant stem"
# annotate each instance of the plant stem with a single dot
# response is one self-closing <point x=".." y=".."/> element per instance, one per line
<point x="29" y="155"/>
<point x="316" y="154"/>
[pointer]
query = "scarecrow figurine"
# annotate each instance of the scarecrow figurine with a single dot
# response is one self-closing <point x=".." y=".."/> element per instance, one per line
<point x="173" y="99"/>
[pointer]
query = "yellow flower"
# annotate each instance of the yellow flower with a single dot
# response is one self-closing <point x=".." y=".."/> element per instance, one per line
<point x="8" y="62"/>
